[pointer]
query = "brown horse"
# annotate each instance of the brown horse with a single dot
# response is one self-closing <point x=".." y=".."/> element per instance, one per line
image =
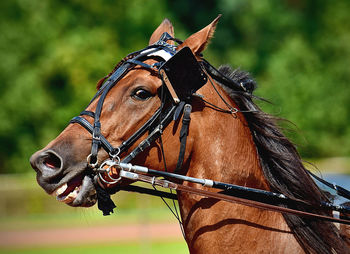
<point x="243" y="147"/>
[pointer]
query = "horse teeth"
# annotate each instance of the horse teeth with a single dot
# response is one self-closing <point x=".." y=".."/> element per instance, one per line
<point x="60" y="190"/>
<point x="71" y="196"/>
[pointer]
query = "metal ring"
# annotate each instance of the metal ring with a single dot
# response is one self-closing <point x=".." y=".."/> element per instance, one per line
<point x="115" y="156"/>
<point x="117" y="160"/>
<point x="105" y="181"/>
<point x="116" y="153"/>
<point x="92" y="165"/>
<point x="234" y="110"/>
<point x="109" y="163"/>
<point x="113" y="179"/>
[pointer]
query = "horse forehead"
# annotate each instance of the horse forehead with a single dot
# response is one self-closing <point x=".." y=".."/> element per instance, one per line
<point x="145" y="77"/>
<point x="141" y="77"/>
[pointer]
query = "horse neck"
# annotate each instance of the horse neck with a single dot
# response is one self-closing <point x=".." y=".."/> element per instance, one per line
<point x="222" y="149"/>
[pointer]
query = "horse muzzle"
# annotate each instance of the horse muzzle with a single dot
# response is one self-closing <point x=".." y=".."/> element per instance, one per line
<point x="70" y="184"/>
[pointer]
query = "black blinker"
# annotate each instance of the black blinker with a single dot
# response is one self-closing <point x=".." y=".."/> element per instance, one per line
<point x="182" y="75"/>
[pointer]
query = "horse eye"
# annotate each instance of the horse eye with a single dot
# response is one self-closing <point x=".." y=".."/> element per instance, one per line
<point x="141" y="94"/>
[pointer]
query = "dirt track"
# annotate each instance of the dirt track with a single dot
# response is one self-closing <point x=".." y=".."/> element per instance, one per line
<point x="101" y="234"/>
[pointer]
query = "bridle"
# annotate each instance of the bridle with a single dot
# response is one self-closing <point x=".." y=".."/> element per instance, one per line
<point x="163" y="52"/>
<point x="171" y="108"/>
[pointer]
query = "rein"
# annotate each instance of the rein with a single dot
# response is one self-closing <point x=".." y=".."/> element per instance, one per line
<point x="231" y="193"/>
<point x="168" y="62"/>
<point x="233" y="196"/>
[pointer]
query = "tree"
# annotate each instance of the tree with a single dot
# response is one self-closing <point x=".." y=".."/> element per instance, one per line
<point x="53" y="52"/>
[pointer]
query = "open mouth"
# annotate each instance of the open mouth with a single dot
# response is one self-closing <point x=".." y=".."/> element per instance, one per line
<point x="69" y="191"/>
<point x="79" y="191"/>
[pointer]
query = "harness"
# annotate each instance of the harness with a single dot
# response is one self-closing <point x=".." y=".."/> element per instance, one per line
<point x="182" y="76"/>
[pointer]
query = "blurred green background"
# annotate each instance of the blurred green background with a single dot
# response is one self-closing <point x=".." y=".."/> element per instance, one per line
<point x="53" y="52"/>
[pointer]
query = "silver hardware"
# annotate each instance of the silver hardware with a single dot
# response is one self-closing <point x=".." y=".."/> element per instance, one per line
<point x="242" y="86"/>
<point x="133" y="168"/>
<point x="92" y="165"/>
<point x="208" y="183"/>
<point x="153" y="180"/>
<point x="113" y="179"/>
<point x="233" y="110"/>
<point x="129" y="175"/>
<point x="115" y="155"/>
<point x="105" y="181"/>
<point x="96" y="137"/>
<point x="110" y="164"/>
<point x="166" y="184"/>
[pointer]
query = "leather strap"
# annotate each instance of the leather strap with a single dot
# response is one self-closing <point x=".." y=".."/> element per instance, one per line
<point x="340" y="190"/>
<point x="152" y="136"/>
<point x="104" y="142"/>
<point x="136" y="62"/>
<point x="222" y="78"/>
<point x="87" y="113"/>
<point x="143" y="190"/>
<point x="85" y="123"/>
<point x="186" y="119"/>
<point x="233" y="199"/>
<point x="256" y="204"/>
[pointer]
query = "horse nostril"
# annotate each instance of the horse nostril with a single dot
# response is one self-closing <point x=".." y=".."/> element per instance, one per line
<point x="46" y="161"/>
<point x="51" y="160"/>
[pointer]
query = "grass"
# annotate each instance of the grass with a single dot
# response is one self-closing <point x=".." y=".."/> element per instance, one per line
<point x="85" y="218"/>
<point x="168" y="247"/>
<point x="24" y="205"/>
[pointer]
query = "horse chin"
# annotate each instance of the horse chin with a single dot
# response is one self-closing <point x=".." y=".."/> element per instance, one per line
<point x="79" y="191"/>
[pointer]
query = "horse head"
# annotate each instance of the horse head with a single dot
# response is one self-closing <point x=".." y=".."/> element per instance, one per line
<point x="121" y="108"/>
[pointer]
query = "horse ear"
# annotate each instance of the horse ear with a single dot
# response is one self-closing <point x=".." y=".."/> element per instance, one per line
<point x="165" y="26"/>
<point x="199" y="41"/>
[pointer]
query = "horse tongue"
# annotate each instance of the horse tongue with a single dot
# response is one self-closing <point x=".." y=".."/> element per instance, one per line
<point x="87" y="189"/>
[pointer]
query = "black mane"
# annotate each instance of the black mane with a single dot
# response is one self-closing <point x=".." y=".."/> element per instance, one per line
<point x="284" y="171"/>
